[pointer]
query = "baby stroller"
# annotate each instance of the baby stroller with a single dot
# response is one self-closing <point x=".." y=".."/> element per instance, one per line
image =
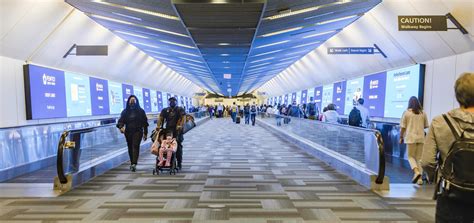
<point x="173" y="168"/>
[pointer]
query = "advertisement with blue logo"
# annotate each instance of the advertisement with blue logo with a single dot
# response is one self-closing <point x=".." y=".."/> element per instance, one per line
<point x="115" y="98"/>
<point x="374" y="93"/>
<point x="45" y="93"/>
<point x="339" y="96"/>
<point x="146" y="100"/>
<point x="99" y="96"/>
<point x="127" y="91"/>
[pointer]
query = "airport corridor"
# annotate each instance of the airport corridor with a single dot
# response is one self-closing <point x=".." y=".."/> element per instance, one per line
<point x="236" y="173"/>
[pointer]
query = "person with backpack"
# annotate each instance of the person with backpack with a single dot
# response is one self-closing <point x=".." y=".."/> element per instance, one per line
<point x="253" y="113"/>
<point x="133" y="123"/>
<point x="172" y="120"/>
<point x="247" y="113"/>
<point x="312" y="109"/>
<point x="412" y="132"/>
<point x="234" y="111"/>
<point x="359" y="115"/>
<point x="451" y="139"/>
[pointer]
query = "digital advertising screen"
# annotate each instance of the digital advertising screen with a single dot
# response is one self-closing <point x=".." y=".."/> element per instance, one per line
<point x="304" y="97"/>
<point x="44" y="92"/>
<point x="116" y="100"/>
<point x="327" y="95"/>
<point x="127" y="90"/>
<point x="339" y="96"/>
<point x="298" y="98"/>
<point x="181" y="101"/>
<point x="99" y="96"/>
<point x="280" y="100"/>
<point x="354" y="91"/>
<point x="146" y="100"/>
<point x="78" y="95"/>
<point x="318" y="96"/>
<point x="286" y="99"/>
<point x="138" y="91"/>
<point x="159" y="94"/>
<point x="154" y="101"/>
<point x="374" y="93"/>
<point x="401" y="85"/>
<point x="293" y="98"/>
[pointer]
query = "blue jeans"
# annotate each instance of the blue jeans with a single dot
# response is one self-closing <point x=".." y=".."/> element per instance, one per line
<point x="252" y="117"/>
<point x="247" y="119"/>
<point x="233" y="115"/>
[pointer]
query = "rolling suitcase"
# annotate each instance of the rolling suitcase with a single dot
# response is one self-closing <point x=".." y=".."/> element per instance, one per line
<point x="237" y="120"/>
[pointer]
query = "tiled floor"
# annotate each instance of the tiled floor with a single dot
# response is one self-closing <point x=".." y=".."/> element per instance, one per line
<point x="232" y="173"/>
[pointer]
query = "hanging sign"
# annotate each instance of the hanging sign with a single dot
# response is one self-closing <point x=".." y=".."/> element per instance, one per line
<point x="422" y="23"/>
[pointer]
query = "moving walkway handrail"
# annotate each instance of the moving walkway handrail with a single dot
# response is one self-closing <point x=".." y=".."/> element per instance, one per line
<point x="63" y="143"/>
<point x="378" y="136"/>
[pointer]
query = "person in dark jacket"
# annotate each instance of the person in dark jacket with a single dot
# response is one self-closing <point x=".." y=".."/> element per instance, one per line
<point x="134" y="124"/>
<point x="172" y="120"/>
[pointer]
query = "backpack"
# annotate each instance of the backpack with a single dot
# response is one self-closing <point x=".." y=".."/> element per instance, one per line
<point x="355" y="118"/>
<point x="457" y="171"/>
<point x="312" y="109"/>
<point x="253" y="108"/>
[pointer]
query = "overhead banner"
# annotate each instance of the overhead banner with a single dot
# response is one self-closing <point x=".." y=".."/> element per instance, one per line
<point x="422" y="23"/>
<point x="351" y="50"/>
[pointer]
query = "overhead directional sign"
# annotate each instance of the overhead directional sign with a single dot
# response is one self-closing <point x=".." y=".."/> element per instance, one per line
<point x="422" y="23"/>
<point x="351" y="50"/>
<point x="356" y="50"/>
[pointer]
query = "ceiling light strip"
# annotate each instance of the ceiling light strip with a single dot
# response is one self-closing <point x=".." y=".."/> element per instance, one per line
<point x="272" y="44"/>
<point x="157" y="14"/>
<point x="131" y="34"/>
<point x="319" y="34"/>
<point x="282" y="31"/>
<point x="178" y="44"/>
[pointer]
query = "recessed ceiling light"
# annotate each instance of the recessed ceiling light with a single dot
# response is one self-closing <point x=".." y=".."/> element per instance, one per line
<point x="144" y="44"/>
<point x="336" y="20"/>
<point x="306" y="44"/>
<point x="137" y="25"/>
<point x="156" y="52"/>
<point x="226" y="67"/>
<point x="268" y="58"/>
<point x="178" y="44"/>
<point x="127" y="16"/>
<point x="161" y="15"/>
<point x="131" y="34"/>
<point x="305" y="10"/>
<point x="319" y="34"/>
<point x="223" y="44"/>
<point x="181" y="52"/>
<point x="275" y="51"/>
<point x="272" y="44"/>
<point x="225" y="62"/>
<point x="282" y="31"/>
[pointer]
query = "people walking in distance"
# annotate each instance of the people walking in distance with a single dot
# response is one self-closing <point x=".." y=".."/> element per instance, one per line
<point x="134" y="124"/>
<point x="253" y="113"/>
<point x="234" y="111"/>
<point x="413" y="124"/>
<point x="247" y="113"/>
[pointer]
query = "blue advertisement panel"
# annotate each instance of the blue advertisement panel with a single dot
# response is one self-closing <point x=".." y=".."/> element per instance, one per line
<point x="160" y="101"/>
<point x="327" y="95"/>
<point x="127" y="90"/>
<point x="286" y="99"/>
<point x="99" y="96"/>
<point x="339" y="96"/>
<point x="318" y="97"/>
<point x="138" y="91"/>
<point x="45" y="94"/>
<point x="304" y="96"/>
<point x="293" y="98"/>
<point x="354" y="91"/>
<point x="401" y="85"/>
<point x="78" y="95"/>
<point x="182" y="102"/>
<point x="374" y="93"/>
<point x="310" y="95"/>
<point x="115" y="98"/>
<point x="298" y="98"/>
<point x="154" y="101"/>
<point x="280" y="100"/>
<point x="146" y="100"/>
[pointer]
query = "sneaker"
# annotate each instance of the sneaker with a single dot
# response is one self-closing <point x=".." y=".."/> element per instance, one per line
<point x="420" y="181"/>
<point x="134" y="167"/>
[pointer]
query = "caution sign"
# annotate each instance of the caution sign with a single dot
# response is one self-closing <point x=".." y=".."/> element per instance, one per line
<point x="422" y="23"/>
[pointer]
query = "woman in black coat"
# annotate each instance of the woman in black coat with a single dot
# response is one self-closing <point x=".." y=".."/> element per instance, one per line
<point x="134" y="124"/>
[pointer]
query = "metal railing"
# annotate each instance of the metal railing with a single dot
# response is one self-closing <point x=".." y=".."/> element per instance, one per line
<point x="73" y="141"/>
<point x="357" y="143"/>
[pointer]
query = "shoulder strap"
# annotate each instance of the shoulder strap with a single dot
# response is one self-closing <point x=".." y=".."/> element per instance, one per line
<point x="450" y="124"/>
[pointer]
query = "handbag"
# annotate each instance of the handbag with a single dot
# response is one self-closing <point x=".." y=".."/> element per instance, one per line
<point x="155" y="147"/>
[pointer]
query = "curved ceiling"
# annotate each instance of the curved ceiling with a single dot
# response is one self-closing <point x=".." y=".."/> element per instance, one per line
<point x="229" y="47"/>
<point x="379" y="26"/>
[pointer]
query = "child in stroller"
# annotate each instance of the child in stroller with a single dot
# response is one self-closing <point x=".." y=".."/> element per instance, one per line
<point x="165" y="147"/>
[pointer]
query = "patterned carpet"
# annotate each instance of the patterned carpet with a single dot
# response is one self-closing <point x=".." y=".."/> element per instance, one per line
<point x="231" y="173"/>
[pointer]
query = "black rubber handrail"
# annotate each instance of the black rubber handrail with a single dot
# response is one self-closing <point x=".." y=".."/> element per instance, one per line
<point x="378" y="136"/>
<point x="59" y="158"/>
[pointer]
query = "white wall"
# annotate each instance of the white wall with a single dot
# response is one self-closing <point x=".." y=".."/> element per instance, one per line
<point x="41" y="32"/>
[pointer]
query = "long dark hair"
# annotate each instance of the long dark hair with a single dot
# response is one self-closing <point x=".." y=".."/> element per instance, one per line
<point x="415" y="105"/>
